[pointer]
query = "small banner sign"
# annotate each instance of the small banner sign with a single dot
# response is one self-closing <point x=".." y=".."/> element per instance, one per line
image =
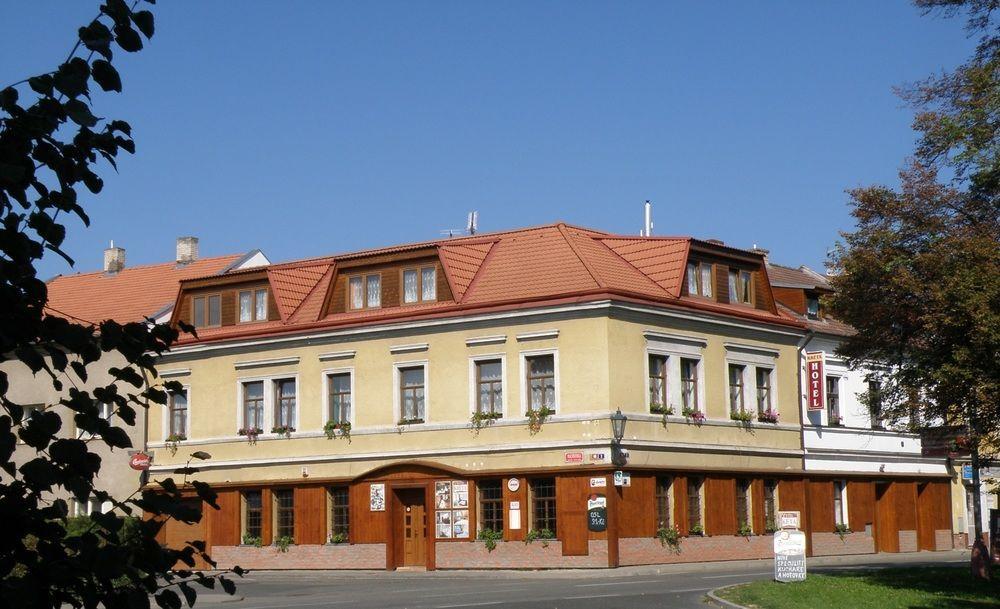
<point x="816" y="380"/>
<point x="788" y="520"/>
<point x="597" y="512"/>
<point x="140" y="461"/>
<point x="789" y="556"/>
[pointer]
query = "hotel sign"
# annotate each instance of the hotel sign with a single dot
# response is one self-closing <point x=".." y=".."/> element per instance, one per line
<point x="815" y="380"/>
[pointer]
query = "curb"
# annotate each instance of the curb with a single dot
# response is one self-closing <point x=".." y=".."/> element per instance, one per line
<point x="723" y="602"/>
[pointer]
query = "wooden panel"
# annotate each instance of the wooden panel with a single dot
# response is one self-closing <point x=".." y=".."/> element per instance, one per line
<point x="267" y="516"/>
<point x="762" y="296"/>
<point x="310" y="515"/>
<point x="720" y="506"/>
<point x="637" y="509"/>
<point x="821" y="515"/>
<point x="793" y="298"/>
<point x="571" y="513"/>
<point x="860" y="504"/>
<point x="721" y="282"/>
<point x="886" y="526"/>
<point x="366" y="526"/>
<point x="521" y="496"/>
<point x="757" y="506"/>
<point x="391" y="273"/>
<point x="680" y="504"/>
<point x="906" y="505"/>
<point x="176" y="534"/>
<point x="224" y="523"/>
<point x="792" y="495"/>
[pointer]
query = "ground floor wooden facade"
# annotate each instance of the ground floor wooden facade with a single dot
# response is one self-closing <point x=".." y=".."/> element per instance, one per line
<point x="425" y="515"/>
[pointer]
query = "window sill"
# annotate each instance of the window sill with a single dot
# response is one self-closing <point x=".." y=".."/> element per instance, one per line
<point x="410" y="422"/>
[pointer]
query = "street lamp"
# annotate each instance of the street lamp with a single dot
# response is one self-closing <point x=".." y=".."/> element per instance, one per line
<point x="618" y="421"/>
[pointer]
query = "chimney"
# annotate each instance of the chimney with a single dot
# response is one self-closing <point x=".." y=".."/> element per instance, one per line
<point x="759" y="250"/>
<point x="187" y="249"/>
<point x="114" y="259"/>
<point x="647" y="224"/>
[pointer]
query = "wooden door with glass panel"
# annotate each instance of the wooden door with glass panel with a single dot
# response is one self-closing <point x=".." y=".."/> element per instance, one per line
<point x="412" y="526"/>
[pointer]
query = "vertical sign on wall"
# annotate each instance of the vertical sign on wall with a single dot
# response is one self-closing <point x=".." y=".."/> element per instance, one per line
<point x="815" y="381"/>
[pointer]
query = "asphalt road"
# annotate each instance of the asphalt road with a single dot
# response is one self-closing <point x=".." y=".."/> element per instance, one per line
<point x="628" y="588"/>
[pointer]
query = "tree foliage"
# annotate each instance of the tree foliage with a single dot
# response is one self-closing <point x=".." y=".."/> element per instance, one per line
<point x="51" y="147"/>
<point x="920" y="276"/>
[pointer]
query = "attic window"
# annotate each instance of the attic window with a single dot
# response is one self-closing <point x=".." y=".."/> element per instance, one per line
<point x="699" y="279"/>
<point x="365" y="291"/>
<point x="207" y="311"/>
<point x="740" y="287"/>
<point x="253" y="305"/>
<point x="419" y="284"/>
<point x="812" y="307"/>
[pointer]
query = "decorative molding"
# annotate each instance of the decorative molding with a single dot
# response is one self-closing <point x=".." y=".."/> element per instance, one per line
<point x="476" y="341"/>
<point x="751" y="349"/>
<point x="414" y="348"/>
<point x="263" y="363"/>
<point x="653" y="335"/>
<point x="166" y="374"/>
<point x="335" y="355"/>
<point x="539" y="335"/>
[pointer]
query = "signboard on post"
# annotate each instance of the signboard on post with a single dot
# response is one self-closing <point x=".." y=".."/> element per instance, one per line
<point x="966" y="472"/>
<point x="789" y="556"/>
<point x="815" y="382"/>
<point x="597" y="512"/>
<point x="140" y="461"/>
<point x="788" y="520"/>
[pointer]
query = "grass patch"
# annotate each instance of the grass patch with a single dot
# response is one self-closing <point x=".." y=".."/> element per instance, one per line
<point x="903" y="588"/>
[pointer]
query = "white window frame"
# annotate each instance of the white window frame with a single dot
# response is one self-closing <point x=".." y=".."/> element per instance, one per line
<point x="397" y="406"/>
<point x="751" y="358"/>
<point x="187" y="421"/>
<point x="840" y="376"/>
<point x="771" y="377"/>
<point x="325" y="416"/>
<point x="526" y="390"/>
<point x="671" y="382"/>
<point x="843" y="501"/>
<point x="674" y="348"/>
<point x="473" y="387"/>
<point x="269" y="381"/>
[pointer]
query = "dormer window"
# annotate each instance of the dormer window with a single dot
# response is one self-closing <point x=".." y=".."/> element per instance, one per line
<point x="812" y="307"/>
<point x="699" y="279"/>
<point x="253" y="305"/>
<point x="365" y="291"/>
<point x="207" y="311"/>
<point x="419" y="285"/>
<point x="740" y="287"/>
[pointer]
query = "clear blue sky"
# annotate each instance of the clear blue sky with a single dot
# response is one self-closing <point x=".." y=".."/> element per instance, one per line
<point x="307" y="128"/>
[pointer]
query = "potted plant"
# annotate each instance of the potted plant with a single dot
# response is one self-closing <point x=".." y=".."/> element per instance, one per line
<point x="416" y="421"/>
<point x="694" y="415"/>
<point x="251" y="433"/>
<point x="661" y="409"/>
<point x="173" y="440"/>
<point x="490" y="538"/>
<point x="283" y="430"/>
<point x="768" y="416"/>
<point x="336" y="538"/>
<point x="745" y="530"/>
<point x="283" y="542"/>
<point x="252" y="540"/>
<point x="338" y="428"/>
<point x="480" y="420"/>
<point x="537" y="417"/>
<point x="770" y="526"/>
<point x="696" y="530"/>
<point x="741" y="416"/>
<point x="842" y="530"/>
<point x="544" y="534"/>
<point x="670" y="536"/>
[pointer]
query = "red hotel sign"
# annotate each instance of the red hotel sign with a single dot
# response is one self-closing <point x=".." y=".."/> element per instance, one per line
<point x="814" y="377"/>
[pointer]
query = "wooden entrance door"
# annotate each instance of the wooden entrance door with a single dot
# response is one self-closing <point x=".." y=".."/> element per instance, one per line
<point x="411" y="527"/>
<point x="176" y="534"/>
<point x="886" y="527"/>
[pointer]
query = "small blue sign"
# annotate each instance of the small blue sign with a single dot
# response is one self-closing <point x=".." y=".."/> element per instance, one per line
<point x="966" y="472"/>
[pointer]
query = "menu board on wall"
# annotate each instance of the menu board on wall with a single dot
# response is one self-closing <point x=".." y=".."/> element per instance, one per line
<point x="451" y="504"/>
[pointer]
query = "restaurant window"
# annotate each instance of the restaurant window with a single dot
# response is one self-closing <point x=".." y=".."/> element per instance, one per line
<point x="284" y="513"/>
<point x="489" y="387"/>
<point x="339" y="385"/>
<point x="207" y="311"/>
<point x="253" y="514"/>
<point x="340" y="514"/>
<point x="490" y="505"/>
<point x="663" y="487"/>
<point x="253" y="305"/>
<point x="875" y="404"/>
<point x="694" y="489"/>
<point x="657" y="382"/>
<point x="839" y="502"/>
<point x="543" y="504"/>
<point x="771" y="505"/>
<point x="736" y="389"/>
<point x="764" y="389"/>
<point x="699" y="279"/>
<point x="689" y="383"/>
<point x="743" y="511"/>
<point x="284" y="398"/>
<point x="833" y="399"/>
<point x="253" y="405"/>
<point x="177" y="403"/>
<point x="412" y="394"/>
<point x="740" y="287"/>
<point x="365" y="291"/>
<point x="541" y="381"/>
<point x="419" y="285"/>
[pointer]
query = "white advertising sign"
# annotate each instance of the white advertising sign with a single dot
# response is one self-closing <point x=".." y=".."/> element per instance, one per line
<point x="789" y="556"/>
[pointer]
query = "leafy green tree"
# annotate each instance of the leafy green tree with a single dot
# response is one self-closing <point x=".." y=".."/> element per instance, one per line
<point x="920" y="276"/>
<point x="51" y="145"/>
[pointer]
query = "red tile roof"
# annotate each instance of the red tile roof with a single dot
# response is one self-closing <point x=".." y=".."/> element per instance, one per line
<point x="537" y="265"/>
<point x="132" y="294"/>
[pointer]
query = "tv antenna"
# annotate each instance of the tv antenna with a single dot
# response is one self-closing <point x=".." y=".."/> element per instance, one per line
<point x="471" y="226"/>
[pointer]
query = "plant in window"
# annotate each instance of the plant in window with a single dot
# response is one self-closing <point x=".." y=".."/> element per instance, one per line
<point x="251" y="433"/>
<point x="283" y="542"/>
<point x="842" y="530"/>
<point x="768" y="416"/>
<point x="283" y="430"/>
<point x="537" y="417"/>
<point x="670" y="536"/>
<point x="745" y="530"/>
<point x="544" y="534"/>
<point x="770" y="526"/>
<point x="173" y="441"/>
<point x="333" y="429"/>
<point x="252" y="540"/>
<point x="696" y="530"/>
<point x="836" y="420"/>
<point x="742" y="416"/>
<point x="480" y="420"/>
<point x="336" y="538"/>
<point x="661" y="409"/>
<point x="490" y="537"/>
<point x="693" y="414"/>
<point x="416" y="421"/>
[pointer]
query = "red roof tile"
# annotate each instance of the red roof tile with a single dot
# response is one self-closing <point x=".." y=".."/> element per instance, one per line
<point x="462" y="262"/>
<point x="660" y="259"/>
<point x="291" y="285"/>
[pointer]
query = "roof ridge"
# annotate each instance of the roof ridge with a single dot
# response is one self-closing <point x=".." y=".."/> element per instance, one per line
<point x="593" y="274"/>
<point x="144" y="266"/>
